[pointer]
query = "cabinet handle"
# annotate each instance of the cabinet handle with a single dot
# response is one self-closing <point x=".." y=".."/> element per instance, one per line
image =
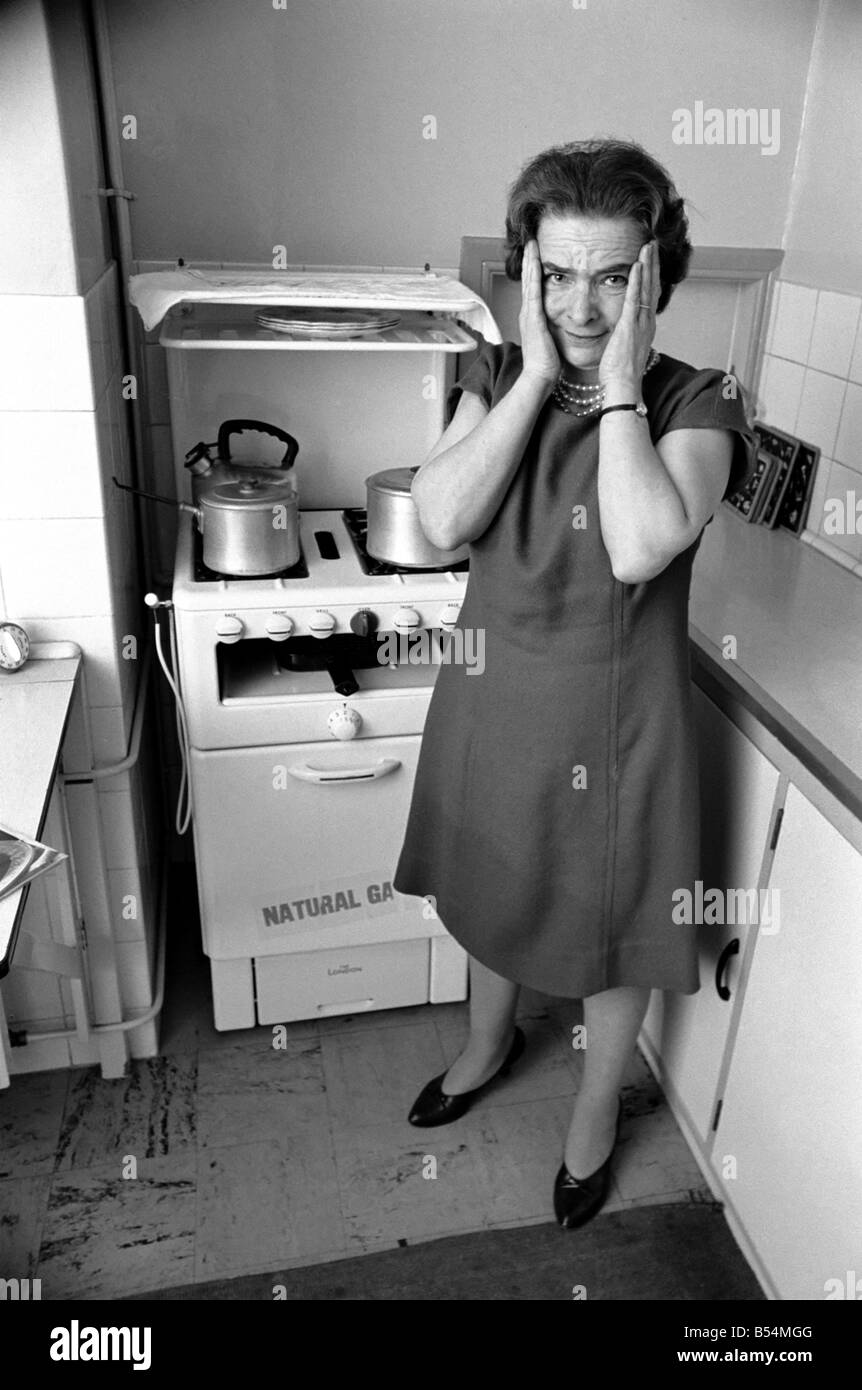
<point x="731" y="949"/>
<point x="304" y="772"/>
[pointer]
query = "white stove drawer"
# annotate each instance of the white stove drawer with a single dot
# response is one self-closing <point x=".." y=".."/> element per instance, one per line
<point x="353" y="979"/>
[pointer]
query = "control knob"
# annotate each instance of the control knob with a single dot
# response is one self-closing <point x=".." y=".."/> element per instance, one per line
<point x="406" y="620"/>
<point x="279" y="627"/>
<point x="449" y="615"/>
<point x="363" y="622"/>
<point x="229" y="628"/>
<point x="322" y="623"/>
<point x="344" y="722"/>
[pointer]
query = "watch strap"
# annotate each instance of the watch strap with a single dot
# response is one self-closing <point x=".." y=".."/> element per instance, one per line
<point x="640" y="410"/>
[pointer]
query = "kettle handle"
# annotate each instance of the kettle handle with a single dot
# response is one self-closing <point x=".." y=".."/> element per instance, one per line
<point x="237" y="426"/>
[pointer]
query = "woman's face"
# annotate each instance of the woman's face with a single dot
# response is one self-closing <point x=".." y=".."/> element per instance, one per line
<point x="585" y="271"/>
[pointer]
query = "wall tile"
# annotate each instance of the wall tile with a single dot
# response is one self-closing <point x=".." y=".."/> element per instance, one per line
<point x="834" y="332"/>
<point x="133" y="970"/>
<point x="110" y="730"/>
<point x="118" y="829"/>
<point x="125" y="885"/>
<point x="848" y="448"/>
<point x="780" y="389"/>
<point x="49" y="465"/>
<point x="51" y="332"/>
<point x="99" y="349"/>
<point x="856" y="361"/>
<point x="844" y="487"/>
<point x="97" y="640"/>
<point x="818" y="494"/>
<point x="794" y="322"/>
<point x="773" y="315"/>
<point x="56" y="568"/>
<point x="820" y="410"/>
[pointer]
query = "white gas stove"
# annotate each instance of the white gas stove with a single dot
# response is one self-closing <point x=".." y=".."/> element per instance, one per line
<point x="305" y="704"/>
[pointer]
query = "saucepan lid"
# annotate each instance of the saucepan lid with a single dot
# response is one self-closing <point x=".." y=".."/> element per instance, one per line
<point x="254" y="494"/>
<point x="396" y="481"/>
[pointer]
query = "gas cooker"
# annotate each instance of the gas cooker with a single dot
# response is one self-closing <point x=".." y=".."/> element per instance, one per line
<point x="336" y="588"/>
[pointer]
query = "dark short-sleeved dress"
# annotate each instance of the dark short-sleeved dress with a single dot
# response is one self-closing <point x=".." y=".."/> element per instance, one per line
<point x="555" y="807"/>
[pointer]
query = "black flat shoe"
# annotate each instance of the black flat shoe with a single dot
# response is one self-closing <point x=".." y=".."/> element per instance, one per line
<point x="434" y="1107"/>
<point x="578" y="1200"/>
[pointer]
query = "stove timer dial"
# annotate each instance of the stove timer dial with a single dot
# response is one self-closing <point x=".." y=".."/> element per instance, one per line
<point x="344" y="722"/>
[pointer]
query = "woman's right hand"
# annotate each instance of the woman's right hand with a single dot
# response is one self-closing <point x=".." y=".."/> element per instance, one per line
<point x="540" y="356"/>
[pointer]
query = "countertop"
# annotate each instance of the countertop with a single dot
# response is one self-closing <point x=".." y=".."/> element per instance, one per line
<point x="34" y="710"/>
<point x="797" y="618"/>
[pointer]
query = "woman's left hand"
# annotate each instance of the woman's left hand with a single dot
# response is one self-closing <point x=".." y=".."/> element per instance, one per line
<point x="625" y="357"/>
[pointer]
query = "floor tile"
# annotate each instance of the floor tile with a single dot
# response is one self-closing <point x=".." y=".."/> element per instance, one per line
<point x="260" y="1093"/>
<point x="653" y="1157"/>
<point x="380" y="1018"/>
<point x="31" y="1112"/>
<point x="105" y="1236"/>
<point x="519" y="1152"/>
<point x="264" y="1202"/>
<point x="23" y="1203"/>
<point x="372" y="1080"/>
<point x="149" y="1114"/>
<point x="399" y="1183"/>
<point x="543" y="1070"/>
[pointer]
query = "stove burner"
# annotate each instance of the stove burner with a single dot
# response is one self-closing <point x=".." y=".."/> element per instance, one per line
<point x="204" y="575"/>
<point x="356" y="521"/>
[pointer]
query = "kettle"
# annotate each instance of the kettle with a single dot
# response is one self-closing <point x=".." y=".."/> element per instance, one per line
<point x="209" y="472"/>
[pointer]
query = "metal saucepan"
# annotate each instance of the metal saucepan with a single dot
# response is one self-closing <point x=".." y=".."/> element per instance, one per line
<point x="394" y="532"/>
<point x="249" y="527"/>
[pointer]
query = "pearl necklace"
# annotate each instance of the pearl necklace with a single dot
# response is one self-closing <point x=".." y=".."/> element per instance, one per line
<point x="575" y="398"/>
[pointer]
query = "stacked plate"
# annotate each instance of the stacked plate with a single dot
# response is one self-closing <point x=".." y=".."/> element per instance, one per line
<point x="326" y="323"/>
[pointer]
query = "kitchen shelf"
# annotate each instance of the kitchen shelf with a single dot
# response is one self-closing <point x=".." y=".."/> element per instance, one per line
<point x="236" y="328"/>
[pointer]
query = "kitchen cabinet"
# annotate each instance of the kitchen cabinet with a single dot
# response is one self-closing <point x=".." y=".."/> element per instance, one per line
<point x="685" y="1036"/>
<point x="789" y="1142"/>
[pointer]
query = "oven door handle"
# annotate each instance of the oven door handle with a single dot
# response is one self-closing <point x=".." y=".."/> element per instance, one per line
<point x="304" y="772"/>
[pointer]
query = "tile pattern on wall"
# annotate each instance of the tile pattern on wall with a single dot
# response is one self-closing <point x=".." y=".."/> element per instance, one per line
<point x="811" y="387"/>
<point x="68" y="572"/>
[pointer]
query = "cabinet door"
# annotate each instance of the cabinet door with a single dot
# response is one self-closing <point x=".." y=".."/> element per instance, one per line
<point x="737" y="792"/>
<point x="791" y="1119"/>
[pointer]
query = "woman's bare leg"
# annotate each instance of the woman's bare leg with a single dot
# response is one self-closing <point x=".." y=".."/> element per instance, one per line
<point x="612" y="1021"/>
<point x="493" y="1001"/>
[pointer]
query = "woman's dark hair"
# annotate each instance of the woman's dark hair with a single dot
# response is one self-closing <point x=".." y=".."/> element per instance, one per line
<point x="601" y="178"/>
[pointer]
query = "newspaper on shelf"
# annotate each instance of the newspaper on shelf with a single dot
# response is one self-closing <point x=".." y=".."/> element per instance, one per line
<point x="155" y="292"/>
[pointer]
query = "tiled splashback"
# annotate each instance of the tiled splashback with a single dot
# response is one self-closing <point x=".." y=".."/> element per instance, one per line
<point x="68" y="572"/>
<point x="811" y="387"/>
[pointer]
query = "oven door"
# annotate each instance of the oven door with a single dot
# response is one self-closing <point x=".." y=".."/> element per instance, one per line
<point x="297" y="844"/>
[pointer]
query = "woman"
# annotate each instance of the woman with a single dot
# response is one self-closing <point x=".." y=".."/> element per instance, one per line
<point x="555" y="809"/>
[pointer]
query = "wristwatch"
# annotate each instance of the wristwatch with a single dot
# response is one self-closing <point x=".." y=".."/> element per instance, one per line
<point x="640" y="410"/>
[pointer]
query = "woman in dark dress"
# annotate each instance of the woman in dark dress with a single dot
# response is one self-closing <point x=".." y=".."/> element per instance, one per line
<point x="555" y="809"/>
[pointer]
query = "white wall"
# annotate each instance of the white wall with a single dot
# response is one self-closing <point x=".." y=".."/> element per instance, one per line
<point x="823" y="242"/>
<point x="259" y="127"/>
<point x="37" y="253"/>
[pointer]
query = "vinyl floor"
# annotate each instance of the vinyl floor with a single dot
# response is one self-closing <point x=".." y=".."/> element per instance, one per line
<point x="224" y="1157"/>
